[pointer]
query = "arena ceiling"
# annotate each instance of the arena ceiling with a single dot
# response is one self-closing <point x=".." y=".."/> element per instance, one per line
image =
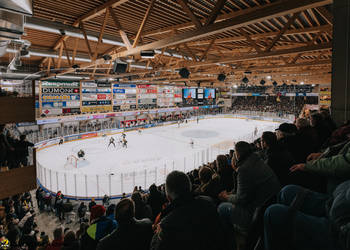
<point x="290" y="40"/>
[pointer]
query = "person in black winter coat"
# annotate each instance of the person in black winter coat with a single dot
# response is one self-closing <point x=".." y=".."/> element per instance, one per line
<point x="277" y="158"/>
<point x="128" y="228"/>
<point x="155" y="200"/>
<point x="188" y="223"/>
<point x="22" y="150"/>
<point x="142" y="210"/>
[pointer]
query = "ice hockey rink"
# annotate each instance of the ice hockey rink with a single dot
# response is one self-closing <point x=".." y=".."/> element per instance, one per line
<point x="148" y="158"/>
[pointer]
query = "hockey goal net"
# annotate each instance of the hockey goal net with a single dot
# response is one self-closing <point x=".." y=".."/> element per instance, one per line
<point x="72" y="162"/>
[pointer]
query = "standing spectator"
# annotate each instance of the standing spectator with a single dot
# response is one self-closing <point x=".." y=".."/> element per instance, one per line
<point x="128" y="226"/>
<point x="187" y="222"/>
<point x="82" y="211"/>
<point x="57" y="242"/>
<point x="28" y="239"/>
<point x="99" y="227"/>
<point x="59" y="205"/>
<point x="256" y="184"/>
<point x="91" y="204"/>
<point x="22" y="150"/>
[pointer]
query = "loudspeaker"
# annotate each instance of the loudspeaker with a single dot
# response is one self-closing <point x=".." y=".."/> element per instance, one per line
<point x="147" y="54"/>
<point x="221" y="77"/>
<point x="119" y="67"/>
<point x="184" y="73"/>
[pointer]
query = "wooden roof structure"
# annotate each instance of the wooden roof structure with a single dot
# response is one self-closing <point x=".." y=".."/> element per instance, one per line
<point x="286" y="39"/>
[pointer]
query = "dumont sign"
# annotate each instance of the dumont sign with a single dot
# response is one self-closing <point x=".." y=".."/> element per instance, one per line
<point x="60" y="91"/>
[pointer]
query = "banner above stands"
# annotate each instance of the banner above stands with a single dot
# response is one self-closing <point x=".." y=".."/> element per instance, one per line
<point x="41" y="121"/>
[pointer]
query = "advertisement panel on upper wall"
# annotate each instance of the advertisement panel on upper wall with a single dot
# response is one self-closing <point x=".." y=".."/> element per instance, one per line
<point x="95" y="109"/>
<point x="60" y="91"/>
<point x="89" y="84"/>
<point x="60" y="97"/>
<point x="60" y="84"/>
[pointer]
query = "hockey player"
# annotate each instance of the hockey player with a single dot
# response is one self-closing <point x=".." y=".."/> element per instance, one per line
<point x="123" y="135"/>
<point x="255" y="131"/>
<point x="81" y="154"/>
<point x="139" y="131"/>
<point x="61" y="141"/>
<point x="192" y="143"/>
<point x="111" y="141"/>
<point x="178" y="123"/>
<point x="125" y="143"/>
<point x="197" y="119"/>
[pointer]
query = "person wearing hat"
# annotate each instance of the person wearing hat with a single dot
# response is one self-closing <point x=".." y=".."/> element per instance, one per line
<point x="100" y="226"/>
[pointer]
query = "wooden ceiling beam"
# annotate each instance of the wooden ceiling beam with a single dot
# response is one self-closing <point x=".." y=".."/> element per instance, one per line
<point x="143" y="23"/>
<point x="86" y="40"/>
<point x="188" y="25"/>
<point x="90" y="15"/>
<point x="122" y="33"/>
<point x="325" y="14"/>
<point x="67" y="54"/>
<point x="264" y="35"/>
<point x="101" y="33"/>
<point x="274" y="10"/>
<point x="215" y="12"/>
<point x="283" y="30"/>
<point x="188" y="11"/>
<point x="250" y="40"/>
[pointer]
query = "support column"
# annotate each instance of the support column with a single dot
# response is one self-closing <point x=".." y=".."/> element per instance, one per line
<point x="340" y="105"/>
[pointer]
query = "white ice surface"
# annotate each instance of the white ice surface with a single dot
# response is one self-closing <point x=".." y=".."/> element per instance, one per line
<point x="148" y="158"/>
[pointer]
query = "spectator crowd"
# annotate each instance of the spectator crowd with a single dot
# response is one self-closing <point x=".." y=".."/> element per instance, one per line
<point x="281" y="104"/>
<point x="289" y="189"/>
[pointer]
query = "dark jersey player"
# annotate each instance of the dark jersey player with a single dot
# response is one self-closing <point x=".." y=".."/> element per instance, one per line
<point x="81" y="154"/>
<point x="111" y="141"/>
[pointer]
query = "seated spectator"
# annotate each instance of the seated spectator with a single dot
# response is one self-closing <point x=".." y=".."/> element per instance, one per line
<point x="142" y="210"/>
<point x="110" y="214"/>
<point x="128" y="227"/>
<point x="334" y="164"/>
<point x="156" y="199"/>
<point x="256" y="184"/>
<point x="225" y="172"/>
<point x="277" y="158"/>
<point x="321" y="127"/>
<point x="70" y="241"/>
<point x="82" y="230"/>
<point x="319" y="222"/>
<point x="187" y="222"/>
<point x="57" y="242"/>
<point x="308" y="137"/>
<point x="340" y="135"/>
<point x="99" y="227"/>
<point x="210" y="183"/>
<point x="287" y="139"/>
